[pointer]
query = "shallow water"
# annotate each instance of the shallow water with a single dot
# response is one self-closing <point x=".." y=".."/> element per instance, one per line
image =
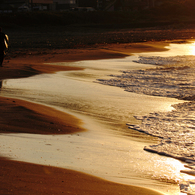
<point x="175" y="78"/>
<point x="108" y="149"/>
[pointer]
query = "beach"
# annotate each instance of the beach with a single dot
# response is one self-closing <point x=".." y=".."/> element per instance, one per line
<point x="25" y="178"/>
<point x="17" y="116"/>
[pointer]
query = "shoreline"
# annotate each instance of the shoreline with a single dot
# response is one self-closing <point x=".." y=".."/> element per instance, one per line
<point x="24" y="66"/>
<point x="32" y="62"/>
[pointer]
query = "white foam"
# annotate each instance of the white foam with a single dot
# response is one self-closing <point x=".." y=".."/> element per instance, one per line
<point x="157" y="60"/>
<point x="172" y="81"/>
<point x="173" y="78"/>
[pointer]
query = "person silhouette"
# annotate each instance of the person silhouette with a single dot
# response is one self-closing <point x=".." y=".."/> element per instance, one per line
<point x="3" y="46"/>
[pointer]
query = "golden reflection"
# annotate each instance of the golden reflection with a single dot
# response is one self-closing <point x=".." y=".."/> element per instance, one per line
<point x="175" y="167"/>
<point x="192" y="49"/>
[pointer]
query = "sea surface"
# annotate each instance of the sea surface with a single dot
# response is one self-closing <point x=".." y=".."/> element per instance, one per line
<point x="134" y="109"/>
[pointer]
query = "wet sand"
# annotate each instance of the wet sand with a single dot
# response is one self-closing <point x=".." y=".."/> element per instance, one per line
<point x="18" y="116"/>
<point x="28" y="63"/>
<point x="27" y="178"/>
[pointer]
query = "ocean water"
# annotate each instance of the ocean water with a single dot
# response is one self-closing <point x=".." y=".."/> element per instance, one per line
<point x="173" y="77"/>
<point x="148" y="112"/>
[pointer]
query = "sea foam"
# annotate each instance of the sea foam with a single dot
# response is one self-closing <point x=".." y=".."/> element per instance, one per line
<point x="173" y="77"/>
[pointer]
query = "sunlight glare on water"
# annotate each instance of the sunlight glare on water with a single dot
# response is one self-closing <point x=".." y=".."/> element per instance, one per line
<point x="191" y="50"/>
<point x="182" y="49"/>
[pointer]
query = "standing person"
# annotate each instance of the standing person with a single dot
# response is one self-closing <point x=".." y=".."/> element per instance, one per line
<point x="3" y="46"/>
